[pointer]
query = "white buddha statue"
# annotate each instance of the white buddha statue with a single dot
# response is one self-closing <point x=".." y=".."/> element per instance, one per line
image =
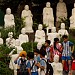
<point x="40" y="35"/>
<point x="10" y="41"/>
<point x="23" y="37"/>
<point x="1" y="40"/>
<point x="61" y="10"/>
<point x="72" y="19"/>
<point x="18" y="46"/>
<point x="12" y="65"/>
<point x="63" y="31"/>
<point x="53" y="35"/>
<point x="27" y="16"/>
<point x="57" y="66"/>
<point x="48" y="17"/>
<point x="9" y="19"/>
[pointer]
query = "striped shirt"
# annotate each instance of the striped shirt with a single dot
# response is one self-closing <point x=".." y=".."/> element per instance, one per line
<point x="29" y="65"/>
<point x="67" y="48"/>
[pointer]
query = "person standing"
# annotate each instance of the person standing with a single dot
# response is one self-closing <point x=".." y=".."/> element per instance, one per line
<point x="68" y="48"/>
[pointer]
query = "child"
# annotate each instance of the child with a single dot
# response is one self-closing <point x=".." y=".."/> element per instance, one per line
<point x="21" y="63"/>
<point x="32" y="69"/>
<point x="73" y="64"/>
<point x="37" y="55"/>
<point x="48" y="50"/>
<point x="68" y="48"/>
<point x="37" y="58"/>
<point x="42" y="64"/>
<point x="57" y="48"/>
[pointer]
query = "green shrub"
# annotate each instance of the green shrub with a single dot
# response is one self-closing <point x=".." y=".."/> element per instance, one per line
<point x="4" y="32"/>
<point x="66" y="21"/>
<point x="19" y="24"/>
<point x="29" y="46"/>
<point x="72" y="32"/>
<point x="4" y="60"/>
<point x="4" y="69"/>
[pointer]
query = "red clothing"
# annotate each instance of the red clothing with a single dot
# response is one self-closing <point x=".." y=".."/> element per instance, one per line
<point x="56" y="52"/>
<point x="73" y="65"/>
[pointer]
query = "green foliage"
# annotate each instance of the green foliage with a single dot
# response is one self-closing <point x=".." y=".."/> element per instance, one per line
<point x="4" y="69"/>
<point x="19" y="24"/>
<point x="4" y="60"/>
<point x="66" y="21"/>
<point x="35" y="25"/>
<point x="4" y="32"/>
<point x="72" y="32"/>
<point x="44" y="26"/>
<point x="4" y="51"/>
<point x="29" y="46"/>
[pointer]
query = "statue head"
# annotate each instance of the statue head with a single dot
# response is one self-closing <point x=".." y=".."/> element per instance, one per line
<point x="17" y="42"/>
<point x="53" y="30"/>
<point x="62" y="25"/>
<point x="60" y="0"/>
<point x="56" y="58"/>
<point x="39" y="45"/>
<point x="10" y="34"/>
<point x="48" y="4"/>
<point x="23" y="31"/>
<point x="40" y="27"/>
<point x="8" y="11"/>
<point x="26" y="7"/>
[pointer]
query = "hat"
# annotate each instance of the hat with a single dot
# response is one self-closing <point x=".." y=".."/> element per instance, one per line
<point x="23" y="53"/>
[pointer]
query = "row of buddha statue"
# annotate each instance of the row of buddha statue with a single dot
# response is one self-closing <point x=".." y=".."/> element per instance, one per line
<point x="48" y="18"/>
<point x="40" y="36"/>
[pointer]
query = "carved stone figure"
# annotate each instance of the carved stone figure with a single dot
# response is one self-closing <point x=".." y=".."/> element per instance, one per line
<point x="57" y="66"/>
<point x="10" y="41"/>
<point x="53" y="35"/>
<point x="9" y="19"/>
<point x="12" y="65"/>
<point x="18" y="46"/>
<point x="63" y="31"/>
<point x="48" y="17"/>
<point x="40" y="35"/>
<point x="23" y="37"/>
<point x="72" y="19"/>
<point x="27" y="16"/>
<point x="61" y="10"/>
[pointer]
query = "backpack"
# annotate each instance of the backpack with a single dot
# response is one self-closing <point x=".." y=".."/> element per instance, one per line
<point x="49" y="68"/>
<point x="23" y="70"/>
